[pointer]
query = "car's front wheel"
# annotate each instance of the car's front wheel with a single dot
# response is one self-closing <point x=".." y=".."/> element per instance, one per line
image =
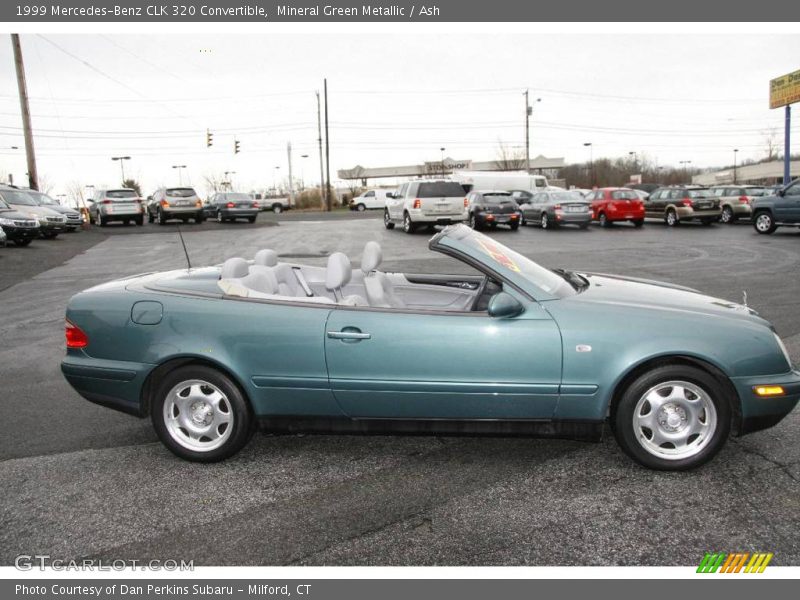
<point x="408" y="225"/>
<point x="727" y="216"/>
<point x="672" y="418"/>
<point x="764" y="223"/>
<point x="200" y="415"/>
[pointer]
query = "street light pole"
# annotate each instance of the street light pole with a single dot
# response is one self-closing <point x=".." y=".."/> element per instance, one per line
<point x="441" y="151"/>
<point x="735" y="152"/>
<point x="633" y="154"/>
<point x="591" y="160"/>
<point x="180" y="172"/>
<point x="121" y="160"/>
<point x="303" y="173"/>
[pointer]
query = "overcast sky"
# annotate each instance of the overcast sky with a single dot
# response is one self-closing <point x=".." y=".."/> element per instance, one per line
<point x="394" y="100"/>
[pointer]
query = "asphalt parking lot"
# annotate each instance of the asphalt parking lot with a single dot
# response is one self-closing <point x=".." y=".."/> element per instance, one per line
<point x="80" y="480"/>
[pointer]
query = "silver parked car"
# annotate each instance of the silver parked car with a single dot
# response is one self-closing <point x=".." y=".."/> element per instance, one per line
<point x="229" y="206"/>
<point x="121" y="204"/>
<point x="736" y="200"/>
<point x="174" y="203"/>
<point x="74" y="218"/>
<point x="550" y="210"/>
<point x="51" y="223"/>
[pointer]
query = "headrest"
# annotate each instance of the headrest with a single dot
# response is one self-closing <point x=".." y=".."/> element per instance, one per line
<point x="339" y="271"/>
<point x="372" y="257"/>
<point x="233" y="268"/>
<point x="266" y="258"/>
<point x="262" y="281"/>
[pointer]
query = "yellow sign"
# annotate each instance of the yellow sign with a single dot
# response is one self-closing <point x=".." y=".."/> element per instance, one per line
<point x="784" y="90"/>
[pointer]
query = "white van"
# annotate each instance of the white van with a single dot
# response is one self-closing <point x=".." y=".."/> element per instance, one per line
<point x="369" y="200"/>
<point x="507" y="181"/>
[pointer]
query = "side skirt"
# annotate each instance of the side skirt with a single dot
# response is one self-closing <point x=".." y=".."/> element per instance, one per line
<point x="591" y="431"/>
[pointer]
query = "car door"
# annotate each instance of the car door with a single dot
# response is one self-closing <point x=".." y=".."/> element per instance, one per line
<point x="787" y="206"/>
<point x="394" y="364"/>
<point x="653" y="207"/>
<point x="532" y="210"/>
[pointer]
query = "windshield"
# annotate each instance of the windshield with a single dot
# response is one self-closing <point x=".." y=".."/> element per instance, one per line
<point x="237" y="198"/>
<point x="505" y="261"/>
<point x="440" y="189"/>
<point x="43" y="199"/>
<point x="17" y="197"/>
<point x="180" y="192"/>
<point x="120" y="194"/>
<point x="624" y="195"/>
<point x="567" y="197"/>
<point x="498" y="198"/>
<point x="3" y="205"/>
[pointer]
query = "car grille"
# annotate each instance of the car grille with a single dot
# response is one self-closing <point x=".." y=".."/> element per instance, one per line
<point x="74" y="218"/>
<point x="25" y="223"/>
<point x="56" y="219"/>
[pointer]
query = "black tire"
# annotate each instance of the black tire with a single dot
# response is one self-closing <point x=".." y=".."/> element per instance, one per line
<point x="126" y="222"/>
<point x="546" y="223"/>
<point x="408" y="224"/>
<point x="583" y="226"/>
<point x="277" y="209"/>
<point x="638" y="222"/>
<point x="707" y="222"/>
<point x="622" y="417"/>
<point x="251" y="219"/>
<point x="139" y="221"/>
<point x="514" y="226"/>
<point x="150" y="217"/>
<point x="671" y="218"/>
<point x="387" y="220"/>
<point x="764" y="222"/>
<point x="162" y="218"/>
<point x="22" y="243"/>
<point x="360" y="207"/>
<point x="220" y="219"/>
<point x="101" y="220"/>
<point x="604" y="222"/>
<point x="727" y="216"/>
<point x="473" y="222"/>
<point x="243" y="419"/>
<point x="199" y="218"/>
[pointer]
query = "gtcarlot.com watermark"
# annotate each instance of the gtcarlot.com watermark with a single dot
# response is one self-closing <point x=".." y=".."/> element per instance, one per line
<point x="42" y="562"/>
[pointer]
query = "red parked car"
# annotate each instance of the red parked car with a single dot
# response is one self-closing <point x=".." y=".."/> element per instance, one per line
<point x="613" y="204"/>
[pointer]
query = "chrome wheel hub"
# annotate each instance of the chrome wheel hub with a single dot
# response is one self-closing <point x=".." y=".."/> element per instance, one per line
<point x="198" y="415"/>
<point x="763" y="222"/>
<point x="674" y="420"/>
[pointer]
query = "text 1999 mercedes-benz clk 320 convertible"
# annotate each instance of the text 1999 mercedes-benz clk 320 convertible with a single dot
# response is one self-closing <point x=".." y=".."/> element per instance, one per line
<point x="514" y="349"/>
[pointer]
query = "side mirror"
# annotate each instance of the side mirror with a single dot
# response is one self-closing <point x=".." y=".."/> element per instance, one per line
<point x="504" y="306"/>
<point x="780" y="192"/>
<point x="149" y="198"/>
<point x="390" y="196"/>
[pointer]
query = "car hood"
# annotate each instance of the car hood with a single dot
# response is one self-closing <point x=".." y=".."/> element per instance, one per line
<point x="657" y="295"/>
<point x="40" y="211"/>
<point x="62" y="210"/>
<point x="14" y="214"/>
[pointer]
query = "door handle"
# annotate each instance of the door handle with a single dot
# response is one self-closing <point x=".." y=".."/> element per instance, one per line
<point x="348" y="335"/>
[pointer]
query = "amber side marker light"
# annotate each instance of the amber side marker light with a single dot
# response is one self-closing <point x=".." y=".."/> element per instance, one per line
<point x="768" y="390"/>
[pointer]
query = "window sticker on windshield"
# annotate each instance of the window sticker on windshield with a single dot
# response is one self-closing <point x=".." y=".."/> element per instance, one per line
<point x="498" y="255"/>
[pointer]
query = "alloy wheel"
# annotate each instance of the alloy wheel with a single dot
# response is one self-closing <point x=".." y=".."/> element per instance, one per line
<point x="198" y="415"/>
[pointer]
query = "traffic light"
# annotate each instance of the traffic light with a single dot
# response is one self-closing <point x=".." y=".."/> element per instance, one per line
<point x="209" y="139"/>
<point x="236" y="146"/>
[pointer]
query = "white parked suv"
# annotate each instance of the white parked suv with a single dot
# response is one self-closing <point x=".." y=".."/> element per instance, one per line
<point x="426" y="203"/>
<point x="370" y="200"/>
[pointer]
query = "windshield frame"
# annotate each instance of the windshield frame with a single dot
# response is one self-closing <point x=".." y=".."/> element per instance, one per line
<point x="462" y="242"/>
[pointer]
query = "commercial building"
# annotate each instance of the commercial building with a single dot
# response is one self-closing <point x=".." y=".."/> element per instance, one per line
<point x="767" y="173"/>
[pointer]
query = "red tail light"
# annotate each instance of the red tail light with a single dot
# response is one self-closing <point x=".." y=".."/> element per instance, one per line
<point x="686" y="202"/>
<point x="230" y="205"/>
<point x="744" y="200"/>
<point x="255" y="204"/>
<point x="417" y="203"/>
<point x="557" y="207"/>
<point x="76" y="338"/>
<point x="106" y="201"/>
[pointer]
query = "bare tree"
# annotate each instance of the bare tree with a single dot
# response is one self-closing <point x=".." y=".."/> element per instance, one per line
<point x="771" y="144"/>
<point x="215" y="182"/>
<point x="509" y="159"/>
<point x="46" y="184"/>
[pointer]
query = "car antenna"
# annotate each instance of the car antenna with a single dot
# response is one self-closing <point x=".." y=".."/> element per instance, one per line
<point x="185" y="251"/>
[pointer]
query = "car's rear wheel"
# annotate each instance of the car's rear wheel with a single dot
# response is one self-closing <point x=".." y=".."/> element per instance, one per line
<point x="672" y="418"/>
<point x="727" y="216"/>
<point x="671" y="218"/>
<point x="387" y="220"/>
<point x="514" y="226"/>
<point x="545" y="222"/>
<point x="101" y="220"/>
<point x="408" y="225"/>
<point x="201" y="415"/>
<point x="604" y="222"/>
<point x="764" y="223"/>
<point x="251" y="219"/>
<point x="473" y="221"/>
<point x="22" y="242"/>
<point x="638" y="222"/>
<point x="707" y="221"/>
<point x="162" y="218"/>
<point x="150" y="217"/>
<point x="139" y="221"/>
<point x="277" y="208"/>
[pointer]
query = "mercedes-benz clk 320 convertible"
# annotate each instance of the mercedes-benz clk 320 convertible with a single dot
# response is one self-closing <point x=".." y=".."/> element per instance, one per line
<point x="514" y="349"/>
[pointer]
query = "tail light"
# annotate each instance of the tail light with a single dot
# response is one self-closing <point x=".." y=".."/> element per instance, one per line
<point x="76" y="338"/>
<point x="255" y="204"/>
<point x="230" y="205"/>
<point x="686" y="202"/>
<point x="106" y="201"/>
<point x="744" y="200"/>
<point x="466" y="203"/>
<point x="557" y="207"/>
<point x="417" y="203"/>
<point x="164" y="203"/>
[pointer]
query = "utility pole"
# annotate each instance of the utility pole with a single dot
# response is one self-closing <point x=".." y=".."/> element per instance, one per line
<point x="787" y="147"/>
<point x="735" y="152"/>
<point x="327" y="153"/>
<point x="527" y="134"/>
<point x="323" y="193"/>
<point x="33" y="176"/>
<point x="291" y="183"/>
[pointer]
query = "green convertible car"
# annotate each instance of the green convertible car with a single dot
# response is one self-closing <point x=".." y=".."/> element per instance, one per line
<point x="208" y="353"/>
